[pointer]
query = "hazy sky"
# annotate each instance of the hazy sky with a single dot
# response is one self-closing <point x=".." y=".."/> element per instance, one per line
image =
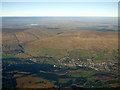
<point x="107" y="9"/>
<point x="60" y="0"/>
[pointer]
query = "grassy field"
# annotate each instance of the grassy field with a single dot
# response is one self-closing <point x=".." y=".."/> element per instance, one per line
<point x="51" y="48"/>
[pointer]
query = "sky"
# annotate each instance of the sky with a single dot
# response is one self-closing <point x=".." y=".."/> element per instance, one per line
<point x="68" y="9"/>
<point x="60" y="0"/>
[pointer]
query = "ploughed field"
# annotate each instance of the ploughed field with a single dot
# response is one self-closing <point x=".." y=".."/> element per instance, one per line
<point x="44" y="58"/>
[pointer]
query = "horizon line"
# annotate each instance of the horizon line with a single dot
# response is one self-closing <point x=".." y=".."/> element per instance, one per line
<point x="59" y="16"/>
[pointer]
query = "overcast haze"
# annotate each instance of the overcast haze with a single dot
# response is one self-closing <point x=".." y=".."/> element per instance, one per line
<point x="102" y="9"/>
